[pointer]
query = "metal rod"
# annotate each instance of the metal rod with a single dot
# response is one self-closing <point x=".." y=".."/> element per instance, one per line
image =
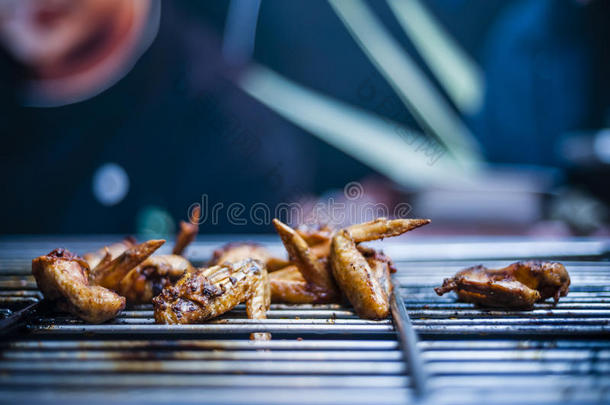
<point x="408" y="342"/>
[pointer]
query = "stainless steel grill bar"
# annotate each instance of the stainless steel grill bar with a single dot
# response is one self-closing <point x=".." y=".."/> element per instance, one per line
<point x="408" y="342"/>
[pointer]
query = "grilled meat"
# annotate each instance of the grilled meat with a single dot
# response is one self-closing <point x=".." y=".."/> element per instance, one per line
<point x="238" y="251"/>
<point x="288" y="285"/>
<point x="315" y="234"/>
<point x="210" y="292"/>
<point x="381" y="265"/>
<point x="516" y="286"/>
<point x="366" y="287"/>
<point x="63" y="278"/>
<point x="116" y="249"/>
<point x="312" y="267"/>
<point x="146" y="281"/>
<point x="188" y="232"/>
<point x="130" y="270"/>
<point x="109" y="272"/>
<point x="309" y="279"/>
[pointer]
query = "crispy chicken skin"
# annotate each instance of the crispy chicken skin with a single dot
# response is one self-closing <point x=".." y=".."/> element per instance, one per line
<point x="309" y="278"/>
<point x="238" y="251"/>
<point x="366" y="287"/>
<point x="516" y="286"/>
<point x="381" y="265"/>
<point x="313" y="269"/>
<point x="130" y="270"/>
<point x="210" y="292"/>
<point x="315" y="234"/>
<point x="109" y="272"/>
<point x="63" y="278"/>
<point x="188" y="231"/>
<point x="147" y="280"/>
<point x="381" y="228"/>
<point x="94" y="258"/>
<point x="289" y="286"/>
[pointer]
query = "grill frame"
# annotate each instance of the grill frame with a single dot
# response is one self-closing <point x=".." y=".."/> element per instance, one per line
<point x="420" y="355"/>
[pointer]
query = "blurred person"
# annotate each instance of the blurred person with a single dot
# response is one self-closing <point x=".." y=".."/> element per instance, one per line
<point x="71" y="51"/>
<point x="118" y="114"/>
<point x="156" y="122"/>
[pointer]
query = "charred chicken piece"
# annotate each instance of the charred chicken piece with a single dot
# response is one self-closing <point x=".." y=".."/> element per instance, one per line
<point x="366" y="287"/>
<point x="127" y="268"/>
<point x="289" y="286"/>
<point x="114" y="250"/>
<point x="188" y="231"/>
<point x="381" y="265"/>
<point x="313" y="269"/>
<point x="208" y="293"/>
<point x="315" y="234"/>
<point x="517" y="286"/>
<point x="315" y="282"/>
<point x="63" y="278"/>
<point x="109" y="272"/>
<point x="238" y="251"/>
<point x="148" y="279"/>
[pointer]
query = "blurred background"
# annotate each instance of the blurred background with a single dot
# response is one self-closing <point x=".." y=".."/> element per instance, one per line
<point x="488" y="116"/>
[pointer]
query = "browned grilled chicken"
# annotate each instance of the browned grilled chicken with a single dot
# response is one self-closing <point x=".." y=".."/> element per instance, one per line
<point x="109" y="272"/>
<point x="289" y="286"/>
<point x="114" y="250"/>
<point x="210" y="292"/>
<point x="366" y="286"/>
<point x="138" y="277"/>
<point x="516" y="286"/>
<point x="147" y="280"/>
<point x="188" y="232"/>
<point x="238" y="251"/>
<point x="308" y="278"/>
<point x="63" y="278"/>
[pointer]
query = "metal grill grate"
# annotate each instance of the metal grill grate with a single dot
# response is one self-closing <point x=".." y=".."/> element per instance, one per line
<point x="321" y="353"/>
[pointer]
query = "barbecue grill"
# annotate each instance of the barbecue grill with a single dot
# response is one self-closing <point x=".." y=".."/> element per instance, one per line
<point x="433" y="350"/>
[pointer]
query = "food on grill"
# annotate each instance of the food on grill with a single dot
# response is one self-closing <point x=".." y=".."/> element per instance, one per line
<point x="381" y="265"/>
<point x="109" y="272"/>
<point x="149" y="278"/>
<point x="238" y="251"/>
<point x="309" y="277"/>
<point x="312" y="265"/>
<point x="114" y="250"/>
<point x="63" y="278"/>
<point x="289" y="286"/>
<point x="188" y="232"/>
<point x="364" y="281"/>
<point x="210" y="292"/>
<point x="128" y="269"/>
<point x="517" y="286"/>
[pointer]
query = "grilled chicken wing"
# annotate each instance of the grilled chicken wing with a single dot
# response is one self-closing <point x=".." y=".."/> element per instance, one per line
<point x="127" y="268"/>
<point x="109" y="272"/>
<point x="148" y="279"/>
<point x="517" y="286"/>
<point x="63" y="278"/>
<point x="208" y="293"/>
<point x="313" y="269"/>
<point x="116" y="249"/>
<point x="238" y="251"/>
<point x="365" y="286"/>
<point x="188" y="232"/>
<point x="381" y="265"/>
<point x="288" y="285"/>
<point x="309" y="280"/>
